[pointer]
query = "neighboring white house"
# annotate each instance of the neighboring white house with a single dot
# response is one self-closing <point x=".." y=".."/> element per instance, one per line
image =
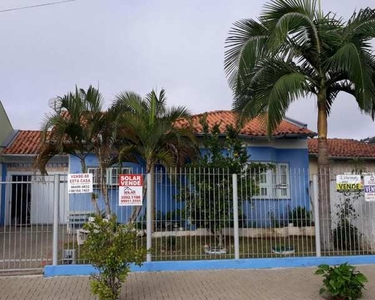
<point x="345" y="155"/>
<point x="348" y="156"/>
<point x="28" y="197"/>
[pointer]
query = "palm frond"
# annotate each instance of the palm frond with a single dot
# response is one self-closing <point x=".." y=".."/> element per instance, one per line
<point x="245" y="46"/>
<point x="361" y="25"/>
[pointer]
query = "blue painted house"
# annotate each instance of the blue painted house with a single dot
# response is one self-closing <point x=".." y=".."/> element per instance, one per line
<point x="287" y="185"/>
<point x="280" y="190"/>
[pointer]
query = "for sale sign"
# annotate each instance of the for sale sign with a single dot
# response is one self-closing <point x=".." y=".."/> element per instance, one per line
<point x="345" y="183"/>
<point x="80" y="183"/>
<point x="130" y="189"/>
<point x="369" y="187"/>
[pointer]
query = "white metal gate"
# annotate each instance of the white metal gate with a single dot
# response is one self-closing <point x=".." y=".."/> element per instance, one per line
<point x="26" y="216"/>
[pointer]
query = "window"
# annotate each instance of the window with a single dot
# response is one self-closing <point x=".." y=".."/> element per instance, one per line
<point x="274" y="183"/>
<point x="95" y="175"/>
<point x="111" y="177"/>
<point x="113" y="173"/>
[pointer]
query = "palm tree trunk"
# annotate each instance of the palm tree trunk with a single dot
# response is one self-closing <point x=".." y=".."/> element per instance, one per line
<point x="83" y="165"/>
<point x="324" y="176"/>
<point x="94" y="201"/>
<point x="151" y="170"/>
<point x="104" y="189"/>
<point x="137" y="209"/>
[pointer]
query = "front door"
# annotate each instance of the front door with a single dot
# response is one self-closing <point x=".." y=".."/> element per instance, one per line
<point x="20" y="200"/>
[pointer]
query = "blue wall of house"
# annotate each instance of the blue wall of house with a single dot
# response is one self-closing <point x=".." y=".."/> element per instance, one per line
<point x="82" y="202"/>
<point x="165" y="190"/>
<point x="257" y="211"/>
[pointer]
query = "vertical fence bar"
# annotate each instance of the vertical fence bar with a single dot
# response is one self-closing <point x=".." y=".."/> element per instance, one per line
<point x="55" y="219"/>
<point x="235" y="216"/>
<point x="316" y="215"/>
<point x="149" y="217"/>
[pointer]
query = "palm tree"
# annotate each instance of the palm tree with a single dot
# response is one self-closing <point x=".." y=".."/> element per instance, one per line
<point x="294" y="51"/>
<point x="147" y="128"/>
<point x="78" y="127"/>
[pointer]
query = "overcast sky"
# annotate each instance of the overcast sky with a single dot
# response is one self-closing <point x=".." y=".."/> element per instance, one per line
<point x="137" y="45"/>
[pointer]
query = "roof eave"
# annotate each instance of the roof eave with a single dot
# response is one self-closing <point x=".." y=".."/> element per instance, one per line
<point x="265" y="137"/>
<point x="345" y="157"/>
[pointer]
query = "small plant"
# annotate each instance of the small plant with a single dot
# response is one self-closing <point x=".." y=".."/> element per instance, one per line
<point x="345" y="235"/>
<point x="111" y="248"/>
<point x="341" y="282"/>
<point x="300" y="217"/>
<point x="277" y="222"/>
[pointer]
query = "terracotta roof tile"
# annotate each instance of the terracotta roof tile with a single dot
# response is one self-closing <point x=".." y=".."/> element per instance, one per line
<point x="255" y="127"/>
<point x="26" y="142"/>
<point x="344" y="148"/>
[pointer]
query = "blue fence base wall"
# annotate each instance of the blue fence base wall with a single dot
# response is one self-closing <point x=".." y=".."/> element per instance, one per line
<point x="258" y="263"/>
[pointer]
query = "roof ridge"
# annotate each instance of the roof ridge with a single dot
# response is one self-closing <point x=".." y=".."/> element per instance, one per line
<point x="29" y="130"/>
<point x="338" y="139"/>
<point x="213" y="111"/>
<point x="295" y="122"/>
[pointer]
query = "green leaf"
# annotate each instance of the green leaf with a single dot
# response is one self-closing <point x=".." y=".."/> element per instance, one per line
<point x="319" y="272"/>
<point x="361" y="278"/>
<point x="324" y="267"/>
<point x="322" y="290"/>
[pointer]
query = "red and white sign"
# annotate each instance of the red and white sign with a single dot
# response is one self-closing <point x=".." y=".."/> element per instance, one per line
<point x="130" y="189"/>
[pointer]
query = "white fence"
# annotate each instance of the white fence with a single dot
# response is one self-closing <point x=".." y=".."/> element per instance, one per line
<point x="199" y="214"/>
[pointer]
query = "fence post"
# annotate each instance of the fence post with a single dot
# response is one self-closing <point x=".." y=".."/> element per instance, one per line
<point x="235" y="217"/>
<point x="148" y="217"/>
<point x="56" y="203"/>
<point x="316" y="215"/>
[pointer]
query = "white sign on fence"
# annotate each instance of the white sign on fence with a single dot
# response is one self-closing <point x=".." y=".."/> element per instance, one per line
<point x="130" y="189"/>
<point x="369" y="187"/>
<point x="348" y="183"/>
<point x="80" y="183"/>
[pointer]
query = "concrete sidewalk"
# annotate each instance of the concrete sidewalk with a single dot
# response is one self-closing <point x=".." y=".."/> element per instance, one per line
<point x="281" y="284"/>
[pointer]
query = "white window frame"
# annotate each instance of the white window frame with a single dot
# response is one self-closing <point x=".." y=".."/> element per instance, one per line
<point x="111" y="176"/>
<point x="282" y="185"/>
<point x="95" y="175"/>
<point x="274" y="185"/>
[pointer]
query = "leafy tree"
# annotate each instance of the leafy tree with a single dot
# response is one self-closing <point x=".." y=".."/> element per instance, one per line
<point x="78" y="127"/>
<point x="294" y="50"/>
<point x="149" y="131"/>
<point x="207" y="191"/>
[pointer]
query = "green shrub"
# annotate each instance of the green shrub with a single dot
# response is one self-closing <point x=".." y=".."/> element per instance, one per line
<point x="300" y="217"/>
<point x="341" y="282"/>
<point x="346" y="236"/>
<point x="111" y="248"/>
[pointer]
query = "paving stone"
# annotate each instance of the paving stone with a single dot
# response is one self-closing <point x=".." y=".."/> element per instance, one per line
<point x="272" y="284"/>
